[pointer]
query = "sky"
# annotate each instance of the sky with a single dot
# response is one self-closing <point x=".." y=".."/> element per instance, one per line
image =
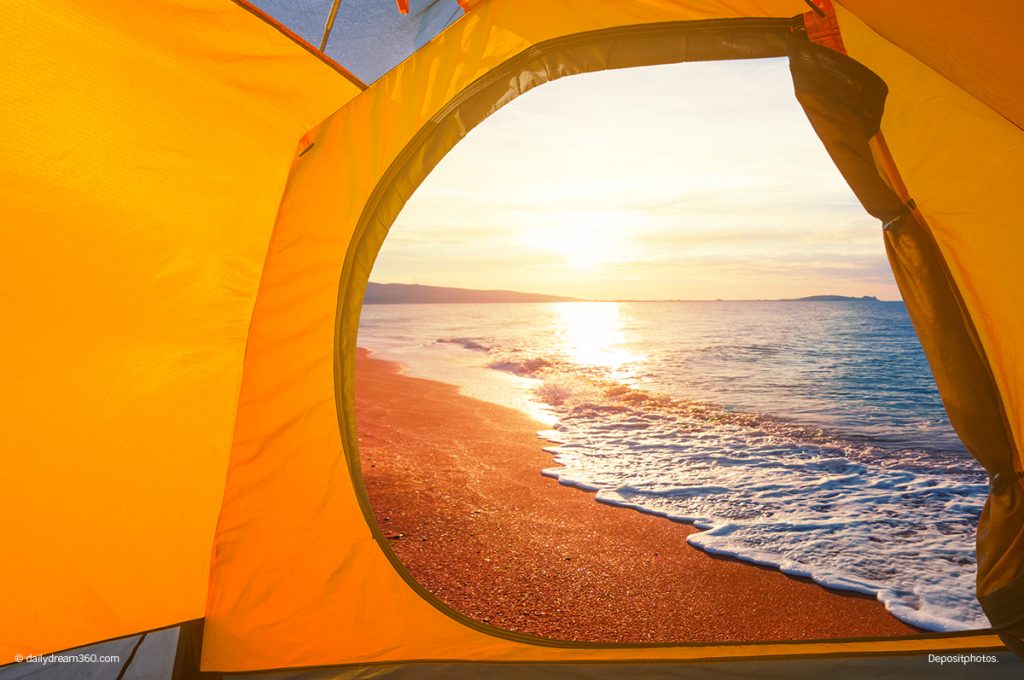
<point x="684" y="181"/>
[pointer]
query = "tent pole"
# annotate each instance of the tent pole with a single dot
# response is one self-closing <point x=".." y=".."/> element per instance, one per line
<point x="187" y="653"/>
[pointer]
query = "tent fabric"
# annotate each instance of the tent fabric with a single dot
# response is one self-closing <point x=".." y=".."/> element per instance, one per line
<point x="194" y="199"/>
<point x="975" y="46"/>
<point x="371" y="37"/>
<point x="368" y="37"/>
<point x="144" y="152"/>
<point x="306" y="18"/>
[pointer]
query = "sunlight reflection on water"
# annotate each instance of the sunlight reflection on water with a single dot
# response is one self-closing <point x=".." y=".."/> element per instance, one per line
<point x="591" y="334"/>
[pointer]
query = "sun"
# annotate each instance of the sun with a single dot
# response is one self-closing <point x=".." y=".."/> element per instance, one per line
<point x="584" y="240"/>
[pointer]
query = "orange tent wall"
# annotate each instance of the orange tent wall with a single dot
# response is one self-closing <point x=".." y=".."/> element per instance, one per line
<point x="145" y="147"/>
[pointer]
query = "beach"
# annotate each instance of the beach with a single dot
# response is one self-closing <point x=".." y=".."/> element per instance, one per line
<point x="456" y="486"/>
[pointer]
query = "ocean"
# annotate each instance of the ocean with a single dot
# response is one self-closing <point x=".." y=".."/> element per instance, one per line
<point x="806" y="436"/>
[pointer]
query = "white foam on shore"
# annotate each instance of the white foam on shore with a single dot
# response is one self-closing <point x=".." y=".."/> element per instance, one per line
<point x="802" y="507"/>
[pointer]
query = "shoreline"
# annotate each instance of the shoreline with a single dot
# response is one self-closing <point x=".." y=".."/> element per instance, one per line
<point x="456" y="486"/>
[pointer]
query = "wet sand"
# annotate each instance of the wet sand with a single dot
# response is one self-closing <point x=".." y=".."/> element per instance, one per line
<point x="456" y="487"/>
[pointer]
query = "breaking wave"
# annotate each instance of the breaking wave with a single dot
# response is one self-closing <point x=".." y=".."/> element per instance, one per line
<point x="465" y="343"/>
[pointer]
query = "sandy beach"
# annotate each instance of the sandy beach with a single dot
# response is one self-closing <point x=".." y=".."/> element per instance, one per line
<point x="455" y="484"/>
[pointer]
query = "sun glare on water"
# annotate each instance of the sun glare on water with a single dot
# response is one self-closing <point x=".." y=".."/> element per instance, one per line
<point x="592" y="335"/>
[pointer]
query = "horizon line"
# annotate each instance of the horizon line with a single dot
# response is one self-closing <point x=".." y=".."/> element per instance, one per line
<point x="571" y="298"/>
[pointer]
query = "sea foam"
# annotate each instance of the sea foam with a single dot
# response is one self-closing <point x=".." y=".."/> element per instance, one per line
<point x="785" y="496"/>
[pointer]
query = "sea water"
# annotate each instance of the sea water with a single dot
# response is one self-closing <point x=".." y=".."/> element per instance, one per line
<point x="807" y="436"/>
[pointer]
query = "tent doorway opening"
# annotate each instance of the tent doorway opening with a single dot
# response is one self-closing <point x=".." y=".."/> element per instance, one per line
<point x="652" y="288"/>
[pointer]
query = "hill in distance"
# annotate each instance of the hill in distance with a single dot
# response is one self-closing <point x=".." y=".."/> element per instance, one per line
<point x="404" y="293"/>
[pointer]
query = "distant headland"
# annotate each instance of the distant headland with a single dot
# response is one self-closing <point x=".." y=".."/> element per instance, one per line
<point x="834" y="298"/>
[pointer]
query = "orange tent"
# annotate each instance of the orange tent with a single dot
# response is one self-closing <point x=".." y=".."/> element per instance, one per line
<point x="193" y="196"/>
